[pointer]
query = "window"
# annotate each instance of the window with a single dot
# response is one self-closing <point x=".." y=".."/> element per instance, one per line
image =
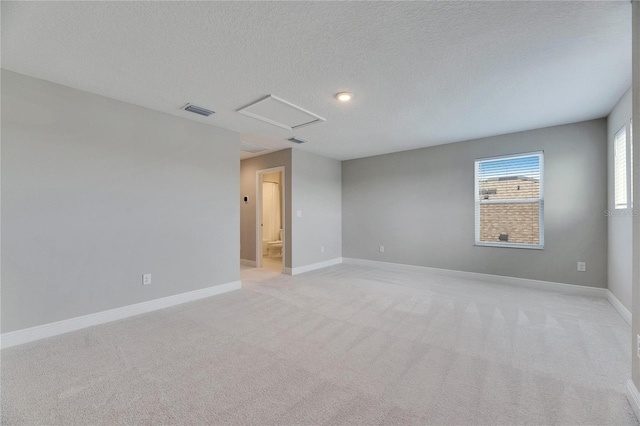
<point x="631" y="163"/>
<point x="509" y="201"/>
<point x="620" y="167"/>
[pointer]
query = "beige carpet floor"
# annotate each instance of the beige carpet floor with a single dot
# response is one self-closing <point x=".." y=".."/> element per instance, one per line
<point x="343" y="345"/>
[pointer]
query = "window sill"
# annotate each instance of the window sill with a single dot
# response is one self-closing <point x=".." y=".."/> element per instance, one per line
<point x="503" y="245"/>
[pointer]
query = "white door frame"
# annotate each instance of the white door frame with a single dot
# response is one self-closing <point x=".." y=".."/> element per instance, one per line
<point x="259" y="177"/>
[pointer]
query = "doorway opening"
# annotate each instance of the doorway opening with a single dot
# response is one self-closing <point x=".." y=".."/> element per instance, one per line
<point x="270" y="229"/>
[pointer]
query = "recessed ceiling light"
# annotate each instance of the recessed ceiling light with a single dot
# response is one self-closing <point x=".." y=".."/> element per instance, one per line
<point x="344" y="96"/>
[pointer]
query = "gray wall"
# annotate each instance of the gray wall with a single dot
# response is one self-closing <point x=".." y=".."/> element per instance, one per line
<point x="620" y="221"/>
<point x="316" y="193"/>
<point x="419" y="204"/>
<point x="248" y="169"/>
<point x="96" y="192"/>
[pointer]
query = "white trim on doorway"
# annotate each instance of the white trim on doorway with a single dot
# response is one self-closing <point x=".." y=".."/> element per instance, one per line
<point x="259" y="176"/>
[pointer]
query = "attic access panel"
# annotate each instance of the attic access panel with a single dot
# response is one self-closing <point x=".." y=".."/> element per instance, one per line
<point x="281" y="113"/>
<point x="251" y="148"/>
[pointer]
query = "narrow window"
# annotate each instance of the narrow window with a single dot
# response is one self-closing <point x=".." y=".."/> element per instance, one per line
<point x="620" y="176"/>
<point x="509" y="201"/>
<point x="631" y="163"/>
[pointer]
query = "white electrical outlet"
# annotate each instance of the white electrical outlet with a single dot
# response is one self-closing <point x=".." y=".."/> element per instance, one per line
<point x="638" y="345"/>
<point x="146" y="279"/>
<point x="582" y="266"/>
<point x="299" y="213"/>
<point x="321" y="249"/>
<point x="381" y="249"/>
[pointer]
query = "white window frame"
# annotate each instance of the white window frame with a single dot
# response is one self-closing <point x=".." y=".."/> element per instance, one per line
<point x="628" y="163"/>
<point x="479" y="201"/>
<point x="630" y="143"/>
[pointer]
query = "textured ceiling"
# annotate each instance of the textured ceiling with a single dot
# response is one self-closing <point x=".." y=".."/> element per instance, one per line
<point x="422" y="73"/>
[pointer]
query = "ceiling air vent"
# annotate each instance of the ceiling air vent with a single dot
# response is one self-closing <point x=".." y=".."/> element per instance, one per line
<point x="297" y="140"/>
<point x="198" y="110"/>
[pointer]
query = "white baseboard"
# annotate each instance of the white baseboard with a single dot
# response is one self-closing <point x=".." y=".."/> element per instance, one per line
<point x="498" y="279"/>
<point x="247" y="262"/>
<point x="53" y="329"/>
<point x="618" y="306"/>
<point x="634" y="398"/>
<point x="312" y="267"/>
